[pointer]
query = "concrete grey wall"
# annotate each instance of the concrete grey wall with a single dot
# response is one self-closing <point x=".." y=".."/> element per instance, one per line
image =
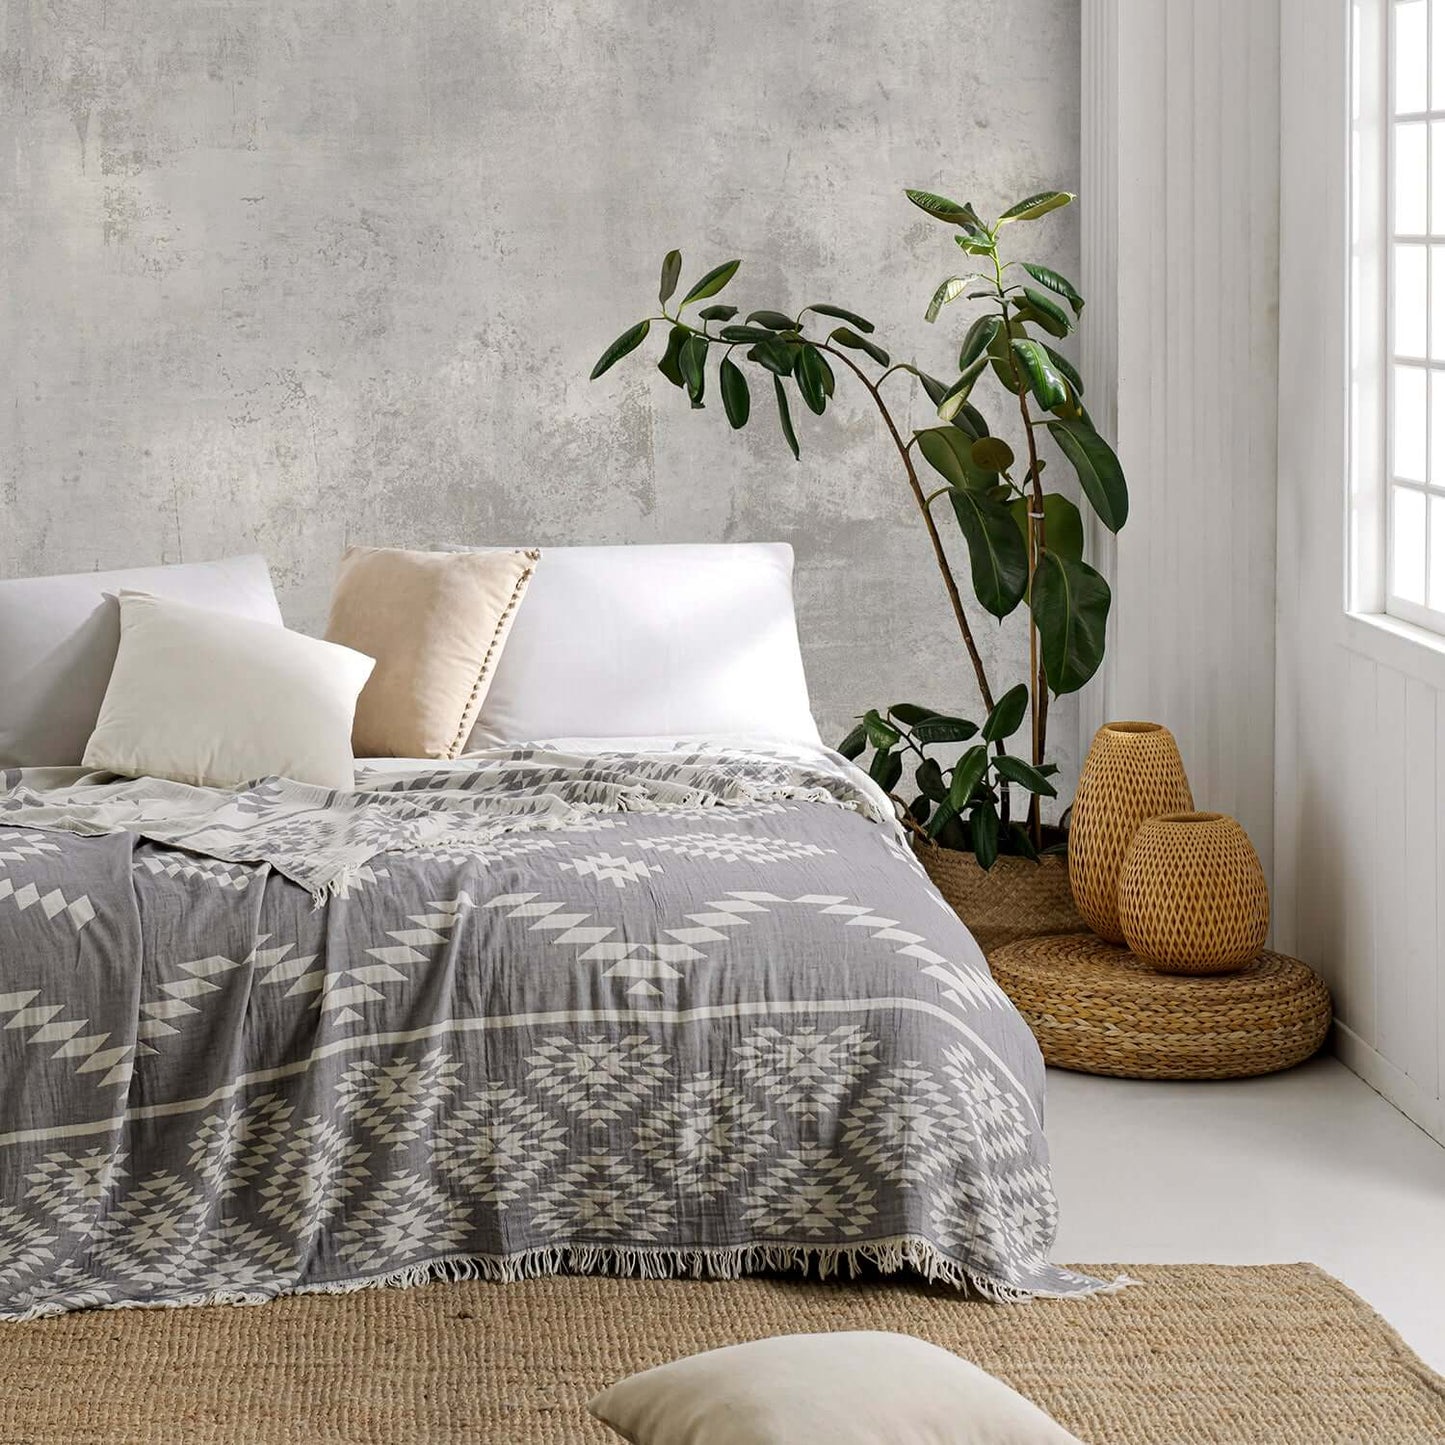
<point x="281" y="275"/>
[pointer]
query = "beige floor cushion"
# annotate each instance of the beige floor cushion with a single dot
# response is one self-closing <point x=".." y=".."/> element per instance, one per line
<point x="851" y="1388"/>
<point x="436" y="623"/>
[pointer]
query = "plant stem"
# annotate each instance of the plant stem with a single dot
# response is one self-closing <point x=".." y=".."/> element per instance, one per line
<point x="940" y="556"/>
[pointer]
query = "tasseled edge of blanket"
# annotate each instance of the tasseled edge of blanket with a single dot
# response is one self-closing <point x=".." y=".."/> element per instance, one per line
<point x="341" y="884"/>
<point x="906" y="1253"/>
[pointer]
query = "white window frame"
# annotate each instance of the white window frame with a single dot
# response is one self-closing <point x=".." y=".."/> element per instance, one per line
<point x="1373" y="484"/>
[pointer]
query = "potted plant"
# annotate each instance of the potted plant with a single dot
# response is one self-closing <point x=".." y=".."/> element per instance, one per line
<point x="973" y="794"/>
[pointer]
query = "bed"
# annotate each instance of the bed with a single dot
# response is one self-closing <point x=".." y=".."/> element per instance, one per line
<point x="674" y="1009"/>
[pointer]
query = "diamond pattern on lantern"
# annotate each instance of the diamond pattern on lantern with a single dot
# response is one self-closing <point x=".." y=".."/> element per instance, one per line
<point x="707" y="1137"/>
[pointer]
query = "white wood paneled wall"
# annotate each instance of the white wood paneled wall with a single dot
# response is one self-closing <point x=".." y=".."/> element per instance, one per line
<point x="1360" y="785"/>
<point x="1180" y="239"/>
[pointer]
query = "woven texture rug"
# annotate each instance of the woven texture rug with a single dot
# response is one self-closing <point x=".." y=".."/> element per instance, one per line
<point x="1281" y="1353"/>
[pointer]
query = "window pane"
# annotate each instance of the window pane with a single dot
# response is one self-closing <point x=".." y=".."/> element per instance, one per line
<point x="1437" y="176"/>
<point x="1410" y="56"/>
<point x="1408" y="404"/>
<point x="1437" y="302"/>
<point x="1437" y="54"/>
<point x="1410" y="178"/>
<point x="1436" y="579"/>
<point x="1407" y="546"/>
<point x="1437" y="429"/>
<point x="1409" y="280"/>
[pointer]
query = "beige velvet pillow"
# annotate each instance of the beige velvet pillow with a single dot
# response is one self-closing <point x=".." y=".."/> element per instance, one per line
<point x="435" y="622"/>
<point x="859" y="1387"/>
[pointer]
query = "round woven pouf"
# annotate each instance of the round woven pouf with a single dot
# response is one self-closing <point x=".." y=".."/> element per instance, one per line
<point x="1096" y="1008"/>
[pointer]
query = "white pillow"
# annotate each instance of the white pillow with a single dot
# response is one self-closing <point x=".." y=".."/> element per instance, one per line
<point x="58" y="637"/>
<point x="202" y="697"/>
<point x="675" y="641"/>
<point x="851" y="1388"/>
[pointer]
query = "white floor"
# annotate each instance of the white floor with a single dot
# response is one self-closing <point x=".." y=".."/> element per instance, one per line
<point x="1306" y="1165"/>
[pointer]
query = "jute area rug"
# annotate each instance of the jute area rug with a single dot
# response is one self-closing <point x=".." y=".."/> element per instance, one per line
<point x="1282" y="1353"/>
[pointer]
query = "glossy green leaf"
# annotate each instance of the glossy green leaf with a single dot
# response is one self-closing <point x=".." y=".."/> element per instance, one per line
<point x="737" y="400"/>
<point x="852" y="746"/>
<point x="919" y="809"/>
<point x="944" y="730"/>
<point x="886" y="769"/>
<point x="693" y="363"/>
<point x="845" y="337"/>
<point x="956" y="397"/>
<point x="910" y="713"/>
<point x="969" y="420"/>
<point x="881" y="734"/>
<point x="671" y="273"/>
<point x="1098" y="469"/>
<point x="773" y="320"/>
<point x="950" y="290"/>
<point x="1016" y="770"/>
<point x="938" y="825"/>
<point x="978" y="339"/>
<point x="1046" y="312"/>
<point x="630" y="340"/>
<point x="998" y="563"/>
<point x="947" y="450"/>
<point x="746" y="333"/>
<point x="776" y="355"/>
<point x="785" y="417"/>
<point x="826" y="371"/>
<point x="712" y="283"/>
<point x="811" y="381"/>
<point x="859" y="323"/>
<point x="1063" y="526"/>
<point x="983" y="832"/>
<point x="942" y="209"/>
<point x="1032" y="207"/>
<point x="1070" y="609"/>
<point x="1010" y="375"/>
<point x="967" y="775"/>
<point x="1066" y="369"/>
<point x="1059" y="285"/>
<point x="1008" y="714"/>
<point x="719" y="312"/>
<point x="1046" y="383"/>
<point x="1020" y="843"/>
<point x="671" y="364"/>
<point x="929" y="777"/>
<point x="992" y="454"/>
<point x="978" y="243"/>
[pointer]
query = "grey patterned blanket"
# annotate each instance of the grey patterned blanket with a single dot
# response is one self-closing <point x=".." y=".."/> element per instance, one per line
<point x="688" y="1013"/>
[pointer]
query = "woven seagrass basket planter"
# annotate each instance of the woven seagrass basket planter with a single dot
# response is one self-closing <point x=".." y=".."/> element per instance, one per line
<point x="1096" y="1008"/>
<point x="1016" y="898"/>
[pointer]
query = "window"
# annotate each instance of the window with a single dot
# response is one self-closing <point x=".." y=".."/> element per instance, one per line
<point x="1413" y="233"/>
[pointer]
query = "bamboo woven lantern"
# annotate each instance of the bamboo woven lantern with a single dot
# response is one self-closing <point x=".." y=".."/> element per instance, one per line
<point x="1133" y="772"/>
<point x="1192" y="895"/>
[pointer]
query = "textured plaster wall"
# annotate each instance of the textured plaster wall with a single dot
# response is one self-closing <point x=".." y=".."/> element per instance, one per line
<point x="283" y="275"/>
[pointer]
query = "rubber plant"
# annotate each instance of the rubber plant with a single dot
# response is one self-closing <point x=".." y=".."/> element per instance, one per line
<point x="1025" y="542"/>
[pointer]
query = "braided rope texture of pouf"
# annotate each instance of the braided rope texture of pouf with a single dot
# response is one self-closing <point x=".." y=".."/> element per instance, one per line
<point x="1096" y="1008"/>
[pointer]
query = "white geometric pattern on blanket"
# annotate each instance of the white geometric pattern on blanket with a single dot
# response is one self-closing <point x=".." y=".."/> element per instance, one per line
<point x="403" y="1217"/>
<point x="732" y="847"/>
<point x="811" y="1191"/>
<point x="599" y="1079"/>
<point x="69" y="1188"/>
<point x="642" y="962"/>
<point x="498" y="1145"/>
<point x="397" y="1102"/>
<point x="707" y="1136"/>
<point x="92" y="1053"/>
<point x="604" y="1195"/>
<point x="607" y="868"/>
<point x="903" y="1125"/>
<point x="162" y="862"/>
<point x="808" y="1071"/>
<point x="26" y="1247"/>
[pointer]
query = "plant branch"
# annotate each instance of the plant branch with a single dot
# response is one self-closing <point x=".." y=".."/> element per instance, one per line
<point x="940" y="556"/>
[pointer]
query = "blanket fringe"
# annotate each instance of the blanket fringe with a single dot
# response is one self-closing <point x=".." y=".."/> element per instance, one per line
<point x="903" y="1254"/>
